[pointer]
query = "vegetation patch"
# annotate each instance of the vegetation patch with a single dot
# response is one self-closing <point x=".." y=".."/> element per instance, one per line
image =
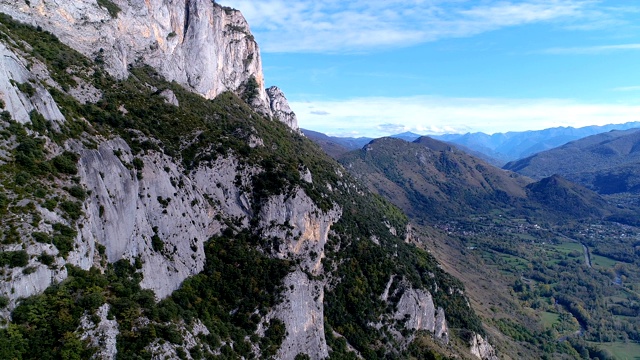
<point x="111" y="7"/>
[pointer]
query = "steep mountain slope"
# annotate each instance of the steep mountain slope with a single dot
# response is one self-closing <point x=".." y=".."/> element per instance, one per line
<point x="147" y="218"/>
<point x="431" y="179"/>
<point x="327" y="143"/>
<point x="534" y="255"/>
<point x="207" y="49"/>
<point x="606" y="163"/>
<point x="566" y="197"/>
<point x="511" y="146"/>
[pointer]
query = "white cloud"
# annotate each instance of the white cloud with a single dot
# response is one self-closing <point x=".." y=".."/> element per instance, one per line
<point x="354" y="25"/>
<point x="592" y="49"/>
<point x="374" y="117"/>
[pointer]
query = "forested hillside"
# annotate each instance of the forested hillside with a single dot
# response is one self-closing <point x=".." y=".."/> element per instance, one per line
<point x="142" y="220"/>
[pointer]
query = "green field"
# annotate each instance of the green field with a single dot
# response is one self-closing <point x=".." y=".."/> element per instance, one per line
<point x="569" y="247"/>
<point x="597" y="260"/>
<point x="549" y="318"/>
<point x="622" y="351"/>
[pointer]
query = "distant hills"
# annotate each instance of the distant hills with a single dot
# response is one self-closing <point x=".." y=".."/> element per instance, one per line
<point x="497" y="149"/>
<point x="433" y="180"/>
<point x="608" y="163"/>
<point x="511" y="146"/>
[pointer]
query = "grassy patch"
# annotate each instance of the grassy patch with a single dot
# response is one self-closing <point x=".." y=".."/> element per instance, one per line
<point x="621" y="350"/>
<point x="569" y="247"/>
<point x="549" y="319"/>
<point x="602" y="261"/>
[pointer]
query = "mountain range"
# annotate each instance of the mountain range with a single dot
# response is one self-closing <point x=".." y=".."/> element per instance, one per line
<point x="608" y="163"/>
<point x="430" y="179"/>
<point x="497" y="149"/>
<point x="157" y="201"/>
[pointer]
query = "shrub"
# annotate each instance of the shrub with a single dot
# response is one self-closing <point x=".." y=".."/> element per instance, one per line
<point x="72" y="208"/>
<point x="78" y="192"/>
<point x="63" y="238"/>
<point x="41" y="237"/>
<point x="4" y="202"/>
<point x="14" y="258"/>
<point x="26" y="88"/>
<point x="112" y="8"/>
<point x="38" y="122"/>
<point x="46" y="259"/>
<point x="156" y="243"/>
<point x="66" y="163"/>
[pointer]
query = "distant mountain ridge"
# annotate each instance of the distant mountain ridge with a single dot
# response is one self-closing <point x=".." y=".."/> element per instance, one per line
<point x="431" y="179"/>
<point x="608" y="163"/>
<point x="511" y="146"/>
<point x="497" y="149"/>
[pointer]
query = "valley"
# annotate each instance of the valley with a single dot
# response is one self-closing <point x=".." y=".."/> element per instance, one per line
<point x="545" y="266"/>
<point x="158" y="201"/>
<point x="557" y="296"/>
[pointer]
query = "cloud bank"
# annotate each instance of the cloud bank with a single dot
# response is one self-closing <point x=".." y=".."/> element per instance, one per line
<point x="360" y="25"/>
<point x="375" y="117"/>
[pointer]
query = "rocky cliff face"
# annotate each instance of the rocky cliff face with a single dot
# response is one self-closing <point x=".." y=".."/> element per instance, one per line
<point x="416" y="307"/>
<point x="203" y="46"/>
<point x="305" y="229"/>
<point x="86" y="184"/>
<point x="280" y="107"/>
<point x="14" y="71"/>
<point x="482" y="349"/>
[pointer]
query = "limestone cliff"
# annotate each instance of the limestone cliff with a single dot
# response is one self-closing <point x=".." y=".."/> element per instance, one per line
<point x="305" y="229"/>
<point x="203" y="46"/>
<point x="21" y="90"/>
<point x="101" y="172"/>
<point x="280" y="107"/>
<point x="482" y="349"/>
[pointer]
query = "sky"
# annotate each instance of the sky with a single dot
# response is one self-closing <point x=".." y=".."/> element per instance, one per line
<point x="381" y="67"/>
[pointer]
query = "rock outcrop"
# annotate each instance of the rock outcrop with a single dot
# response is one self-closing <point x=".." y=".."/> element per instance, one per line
<point x="201" y="45"/>
<point x="417" y="309"/>
<point x="102" y="335"/>
<point x="21" y="90"/>
<point x="305" y="229"/>
<point x="280" y="107"/>
<point x="482" y="349"/>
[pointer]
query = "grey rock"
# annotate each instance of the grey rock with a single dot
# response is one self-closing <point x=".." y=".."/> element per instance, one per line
<point x="13" y="70"/>
<point x="103" y="335"/>
<point x="170" y="97"/>
<point x="125" y="212"/>
<point x="198" y="43"/>
<point x="305" y="229"/>
<point x="481" y="348"/>
<point x="417" y="308"/>
<point x="280" y="108"/>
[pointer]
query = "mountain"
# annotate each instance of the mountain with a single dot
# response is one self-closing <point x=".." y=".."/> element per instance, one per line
<point x="328" y="144"/>
<point x="334" y="145"/>
<point x="430" y="179"/>
<point x="534" y="255"/>
<point x="406" y="136"/>
<point x="505" y="147"/>
<point x="566" y="197"/>
<point x="606" y="163"/>
<point x="496" y="149"/>
<point x="156" y="201"/>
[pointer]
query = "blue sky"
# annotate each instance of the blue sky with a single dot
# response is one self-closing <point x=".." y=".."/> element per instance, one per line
<point x="379" y="67"/>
